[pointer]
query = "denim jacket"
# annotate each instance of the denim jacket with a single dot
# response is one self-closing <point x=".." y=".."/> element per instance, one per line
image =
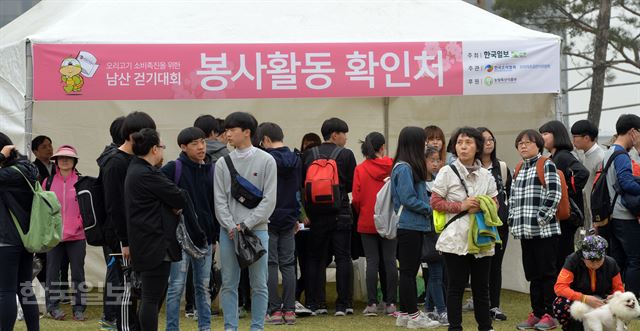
<point x="413" y="196"/>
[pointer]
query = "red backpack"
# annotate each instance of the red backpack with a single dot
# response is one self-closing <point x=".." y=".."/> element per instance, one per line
<point x="564" y="207"/>
<point x="322" y="183"/>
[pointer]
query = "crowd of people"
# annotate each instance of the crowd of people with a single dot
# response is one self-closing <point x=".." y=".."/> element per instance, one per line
<point x="456" y="205"/>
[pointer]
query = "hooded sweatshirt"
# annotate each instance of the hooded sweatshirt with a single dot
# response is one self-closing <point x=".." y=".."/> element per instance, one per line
<point x="106" y="152"/>
<point x="197" y="179"/>
<point x="108" y="230"/>
<point x="64" y="188"/>
<point x="113" y="170"/>
<point x="216" y="150"/>
<point x="368" y="179"/>
<point x="287" y="208"/>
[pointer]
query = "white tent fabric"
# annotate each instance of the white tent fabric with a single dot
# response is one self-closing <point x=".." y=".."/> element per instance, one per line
<point x="216" y="21"/>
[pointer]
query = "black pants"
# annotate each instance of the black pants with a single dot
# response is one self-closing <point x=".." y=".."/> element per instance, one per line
<point x="244" y="290"/>
<point x="495" y="276"/>
<point x="128" y="303"/>
<point x="409" y="251"/>
<point x="154" y="285"/>
<point x="303" y="253"/>
<point x="340" y="240"/>
<point x="566" y="245"/>
<point x="15" y="278"/>
<point x="539" y="262"/>
<point x="380" y="251"/>
<point x="113" y="286"/>
<point x="76" y="251"/>
<point x="189" y="292"/>
<point x="460" y="267"/>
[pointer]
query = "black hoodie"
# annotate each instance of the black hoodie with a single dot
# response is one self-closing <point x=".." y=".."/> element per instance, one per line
<point x="113" y="165"/>
<point x="197" y="180"/>
<point x="287" y="210"/>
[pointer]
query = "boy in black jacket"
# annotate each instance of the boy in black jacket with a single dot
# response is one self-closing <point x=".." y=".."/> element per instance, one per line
<point x="283" y="224"/>
<point x="195" y="172"/>
<point x="113" y="170"/>
<point x="334" y="228"/>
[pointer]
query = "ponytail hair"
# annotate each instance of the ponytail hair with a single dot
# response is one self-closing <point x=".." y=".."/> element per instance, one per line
<point x="144" y="140"/>
<point x="372" y="144"/>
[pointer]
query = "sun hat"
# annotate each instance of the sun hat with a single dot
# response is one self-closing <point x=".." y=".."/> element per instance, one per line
<point x="65" y="150"/>
<point x="593" y="247"/>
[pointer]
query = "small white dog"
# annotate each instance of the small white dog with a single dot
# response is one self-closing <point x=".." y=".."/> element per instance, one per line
<point x="614" y="316"/>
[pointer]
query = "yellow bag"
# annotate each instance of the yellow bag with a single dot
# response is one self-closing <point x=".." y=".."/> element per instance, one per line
<point x="439" y="220"/>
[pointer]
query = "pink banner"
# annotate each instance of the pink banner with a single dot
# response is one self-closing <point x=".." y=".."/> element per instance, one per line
<point x="241" y="71"/>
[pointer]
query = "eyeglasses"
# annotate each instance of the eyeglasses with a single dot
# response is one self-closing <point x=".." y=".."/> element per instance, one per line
<point x="525" y="143"/>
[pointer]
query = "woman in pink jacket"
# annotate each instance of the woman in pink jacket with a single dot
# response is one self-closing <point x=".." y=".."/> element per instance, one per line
<point x="73" y="239"/>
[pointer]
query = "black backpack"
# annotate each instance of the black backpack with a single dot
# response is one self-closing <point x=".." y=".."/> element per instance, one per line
<point x="90" y="196"/>
<point x="601" y="204"/>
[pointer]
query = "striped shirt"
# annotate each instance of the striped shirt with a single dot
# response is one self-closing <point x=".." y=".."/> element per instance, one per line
<point x="532" y="206"/>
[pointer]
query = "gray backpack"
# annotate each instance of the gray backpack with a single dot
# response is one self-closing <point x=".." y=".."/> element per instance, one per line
<point x="385" y="217"/>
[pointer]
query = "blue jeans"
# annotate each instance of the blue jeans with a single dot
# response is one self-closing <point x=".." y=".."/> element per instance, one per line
<point x="177" y="280"/>
<point x="258" y="273"/>
<point x="435" y="290"/>
<point x="626" y="252"/>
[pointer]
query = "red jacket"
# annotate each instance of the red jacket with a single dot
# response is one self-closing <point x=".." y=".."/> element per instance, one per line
<point x="368" y="179"/>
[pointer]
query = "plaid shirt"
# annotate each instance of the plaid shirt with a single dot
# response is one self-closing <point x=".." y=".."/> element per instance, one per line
<point x="532" y="207"/>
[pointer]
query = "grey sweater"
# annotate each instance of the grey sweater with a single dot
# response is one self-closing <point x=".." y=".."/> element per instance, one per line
<point x="592" y="160"/>
<point x="260" y="169"/>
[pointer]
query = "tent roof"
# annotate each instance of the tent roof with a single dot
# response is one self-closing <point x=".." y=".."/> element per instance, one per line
<point x="275" y="21"/>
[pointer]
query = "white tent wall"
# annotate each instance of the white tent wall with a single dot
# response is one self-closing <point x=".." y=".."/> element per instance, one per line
<point x="86" y="124"/>
<point x="12" y="91"/>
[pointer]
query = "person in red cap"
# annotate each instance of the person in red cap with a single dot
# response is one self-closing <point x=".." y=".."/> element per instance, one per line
<point x="73" y="242"/>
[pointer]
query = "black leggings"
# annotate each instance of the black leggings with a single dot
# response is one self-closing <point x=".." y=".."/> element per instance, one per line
<point x="460" y="267"/>
<point x="154" y="285"/>
<point x="495" y="276"/>
<point x="409" y="250"/>
<point x="15" y="278"/>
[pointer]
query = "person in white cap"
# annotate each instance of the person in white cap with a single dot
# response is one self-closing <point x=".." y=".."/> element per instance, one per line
<point x="73" y="242"/>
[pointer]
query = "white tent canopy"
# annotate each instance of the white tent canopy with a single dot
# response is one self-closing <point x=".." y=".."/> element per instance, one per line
<point x="84" y="123"/>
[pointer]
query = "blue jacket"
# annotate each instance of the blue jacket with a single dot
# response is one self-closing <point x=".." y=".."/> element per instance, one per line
<point x="413" y="196"/>
<point x="287" y="210"/>
<point x="197" y="179"/>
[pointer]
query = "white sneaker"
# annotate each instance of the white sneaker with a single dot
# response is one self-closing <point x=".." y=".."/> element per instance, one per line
<point x="322" y="311"/>
<point x="301" y="310"/>
<point x="402" y="320"/>
<point x="422" y="322"/>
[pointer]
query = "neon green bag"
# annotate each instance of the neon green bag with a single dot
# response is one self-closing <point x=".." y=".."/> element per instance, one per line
<point x="45" y="223"/>
<point x="439" y="220"/>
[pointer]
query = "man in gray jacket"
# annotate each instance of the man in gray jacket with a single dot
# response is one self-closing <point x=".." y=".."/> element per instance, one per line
<point x="585" y="139"/>
<point x="258" y="168"/>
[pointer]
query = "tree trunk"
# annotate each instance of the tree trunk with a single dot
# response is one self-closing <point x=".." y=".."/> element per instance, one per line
<point x="599" y="63"/>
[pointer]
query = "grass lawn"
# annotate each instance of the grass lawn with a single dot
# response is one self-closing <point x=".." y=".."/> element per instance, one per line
<point x="515" y="305"/>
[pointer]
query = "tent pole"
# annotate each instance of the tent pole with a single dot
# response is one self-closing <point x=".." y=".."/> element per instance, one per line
<point x="385" y="102"/>
<point x="28" y="100"/>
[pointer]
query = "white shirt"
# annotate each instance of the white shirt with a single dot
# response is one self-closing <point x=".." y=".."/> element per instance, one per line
<point x="454" y="239"/>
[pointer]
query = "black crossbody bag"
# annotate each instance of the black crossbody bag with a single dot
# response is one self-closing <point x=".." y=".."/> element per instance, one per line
<point x="464" y="212"/>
